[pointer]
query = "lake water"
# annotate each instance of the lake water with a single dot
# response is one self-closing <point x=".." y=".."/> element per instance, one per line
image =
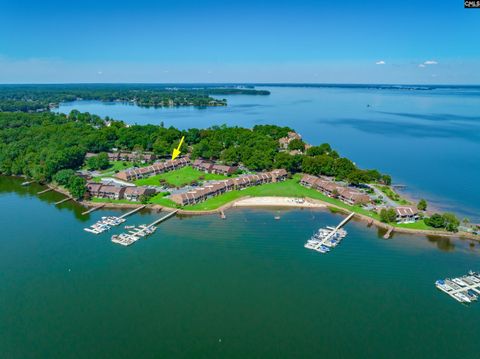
<point x="428" y="140"/>
<point x="203" y="287"/>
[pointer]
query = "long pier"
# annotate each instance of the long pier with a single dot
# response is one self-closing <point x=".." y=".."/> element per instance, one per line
<point x="45" y="191"/>
<point x="132" y="212"/>
<point x="63" y="200"/>
<point x="126" y="239"/>
<point x="334" y="230"/>
<point x="93" y="209"/>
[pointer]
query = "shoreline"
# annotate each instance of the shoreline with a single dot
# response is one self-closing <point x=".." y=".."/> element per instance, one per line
<point x="284" y="202"/>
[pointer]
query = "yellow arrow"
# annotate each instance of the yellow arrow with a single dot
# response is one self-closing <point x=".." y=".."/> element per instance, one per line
<point x="176" y="151"/>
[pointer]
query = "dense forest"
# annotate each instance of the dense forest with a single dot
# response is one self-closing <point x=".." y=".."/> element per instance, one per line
<point x="36" y="98"/>
<point x="39" y="145"/>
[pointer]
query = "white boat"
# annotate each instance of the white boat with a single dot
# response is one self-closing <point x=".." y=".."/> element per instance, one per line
<point x="459" y="282"/>
<point x="462" y="297"/>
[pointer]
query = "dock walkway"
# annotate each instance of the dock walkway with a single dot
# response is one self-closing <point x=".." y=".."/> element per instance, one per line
<point x="126" y="239"/>
<point x="333" y="231"/>
<point x="132" y="212"/>
<point x="463" y="289"/>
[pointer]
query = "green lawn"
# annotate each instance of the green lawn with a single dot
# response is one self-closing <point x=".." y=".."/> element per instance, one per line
<point x="160" y="199"/>
<point x="288" y="188"/>
<point x="394" y="196"/>
<point x="179" y="178"/>
<point x="108" y="200"/>
<point x="417" y="225"/>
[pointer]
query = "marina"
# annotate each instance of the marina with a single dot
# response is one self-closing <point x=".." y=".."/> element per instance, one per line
<point x="137" y="232"/>
<point x="463" y="289"/>
<point x="329" y="237"/>
<point x="107" y="222"/>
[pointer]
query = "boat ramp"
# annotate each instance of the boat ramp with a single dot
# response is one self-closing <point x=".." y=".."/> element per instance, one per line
<point x="463" y="289"/>
<point x="135" y="233"/>
<point x="105" y="223"/>
<point x="328" y="237"/>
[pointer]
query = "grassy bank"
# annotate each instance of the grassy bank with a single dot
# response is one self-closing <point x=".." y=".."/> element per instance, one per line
<point x="179" y="178"/>
<point x="288" y="188"/>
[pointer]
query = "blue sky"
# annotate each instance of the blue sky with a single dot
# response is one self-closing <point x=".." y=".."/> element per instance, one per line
<point x="243" y="41"/>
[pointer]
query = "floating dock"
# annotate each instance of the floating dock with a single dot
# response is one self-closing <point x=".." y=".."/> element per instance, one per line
<point x="126" y="239"/>
<point x="463" y="289"/>
<point x="108" y="222"/>
<point x="328" y="237"/>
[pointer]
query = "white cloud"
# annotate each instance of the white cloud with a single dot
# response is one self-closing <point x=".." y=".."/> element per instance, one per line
<point x="381" y="62"/>
<point x="430" y="62"/>
<point x="421" y="65"/>
<point x="100" y="72"/>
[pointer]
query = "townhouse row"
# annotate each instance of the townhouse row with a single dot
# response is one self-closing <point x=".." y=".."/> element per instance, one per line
<point x="405" y="214"/>
<point x="210" y="167"/>
<point x="216" y="188"/>
<point x="118" y="192"/>
<point x="133" y="174"/>
<point x="126" y="156"/>
<point x="347" y="195"/>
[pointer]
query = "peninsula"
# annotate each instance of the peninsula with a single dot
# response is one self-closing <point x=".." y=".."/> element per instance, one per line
<point x="106" y="162"/>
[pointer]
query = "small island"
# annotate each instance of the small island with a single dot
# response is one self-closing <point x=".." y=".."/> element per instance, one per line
<point x="40" y="98"/>
<point x="106" y="162"/>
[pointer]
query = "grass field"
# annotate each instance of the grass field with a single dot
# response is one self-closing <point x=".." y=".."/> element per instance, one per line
<point x="417" y="225"/>
<point x="288" y="188"/>
<point x="108" y="200"/>
<point x="179" y="178"/>
<point x="394" y="196"/>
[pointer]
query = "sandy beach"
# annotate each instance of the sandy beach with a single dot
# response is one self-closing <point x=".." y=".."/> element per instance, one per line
<point x="277" y="202"/>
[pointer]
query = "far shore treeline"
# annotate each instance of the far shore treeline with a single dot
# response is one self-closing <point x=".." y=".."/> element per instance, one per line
<point x="38" y="145"/>
<point x="35" y="98"/>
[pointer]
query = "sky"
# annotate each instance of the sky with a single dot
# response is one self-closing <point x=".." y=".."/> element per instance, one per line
<point x="187" y="41"/>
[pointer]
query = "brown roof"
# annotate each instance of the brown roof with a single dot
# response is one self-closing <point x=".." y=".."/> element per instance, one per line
<point x="406" y="211"/>
<point x="112" y="189"/>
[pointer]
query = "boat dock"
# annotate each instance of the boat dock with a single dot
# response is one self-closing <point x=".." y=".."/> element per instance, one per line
<point x="132" y="211"/>
<point x="328" y="237"/>
<point x="463" y="289"/>
<point x="45" y="191"/>
<point x="222" y="215"/>
<point x="126" y="239"/>
<point x="26" y="183"/>
<point x="63" y="200"/>
<point x="108" y="222"/>
<point x="93" y="209"/>
<point x="389" y="233"/>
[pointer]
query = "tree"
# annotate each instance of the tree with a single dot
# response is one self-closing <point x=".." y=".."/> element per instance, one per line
<point x="76" y="187"/>
<point x="323" y="149"/>
<point x="296" y="144"/>
<point x="62" y="177"/>
<point x="435" y="220"/>
<point x="98" y="162"/>
<point x="388" y="215"/>
<point x="422" y="205"/>
<point x="451" y="222"/>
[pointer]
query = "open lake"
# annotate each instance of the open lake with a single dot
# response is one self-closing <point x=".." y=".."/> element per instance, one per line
<point x="426" y="139"/>
<point x="203" y="287"/>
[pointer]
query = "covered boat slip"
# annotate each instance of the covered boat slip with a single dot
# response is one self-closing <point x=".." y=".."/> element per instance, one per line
<point x="463" y="289"/>
<point x="328" y="237"/>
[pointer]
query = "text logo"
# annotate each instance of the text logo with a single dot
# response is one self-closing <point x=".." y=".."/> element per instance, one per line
<point x="472" y="4"/>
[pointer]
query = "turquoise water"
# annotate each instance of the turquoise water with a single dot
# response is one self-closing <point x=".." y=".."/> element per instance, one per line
<point x="429" y="140"/>
<point x="203" y="287"/>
